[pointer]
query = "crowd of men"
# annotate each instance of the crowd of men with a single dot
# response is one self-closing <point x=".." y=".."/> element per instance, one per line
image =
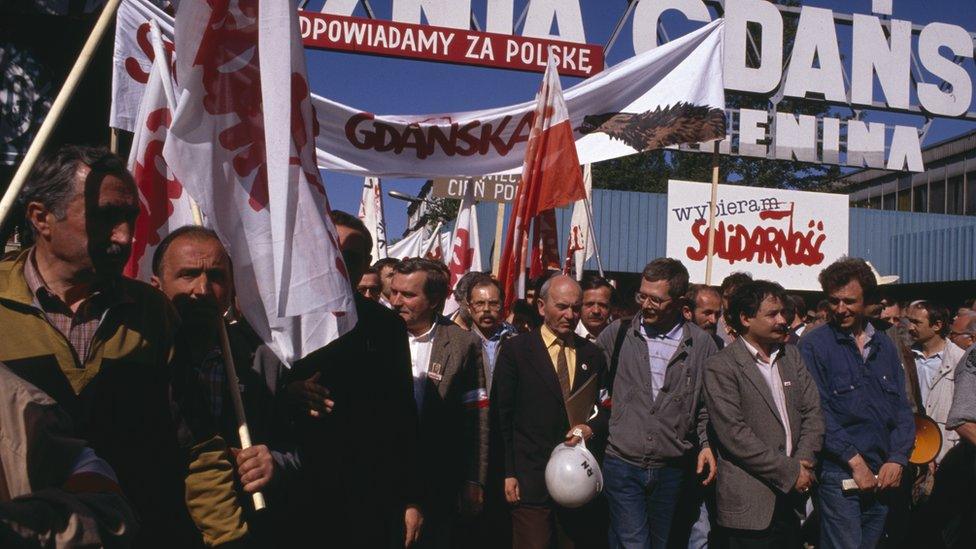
<point x="730" y="416"/>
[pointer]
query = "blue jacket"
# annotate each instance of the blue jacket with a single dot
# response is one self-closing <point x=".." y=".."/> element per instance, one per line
<point x="864" y="404"/>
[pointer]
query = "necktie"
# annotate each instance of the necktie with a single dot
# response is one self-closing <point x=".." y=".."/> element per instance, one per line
<point x="562" y="369"/>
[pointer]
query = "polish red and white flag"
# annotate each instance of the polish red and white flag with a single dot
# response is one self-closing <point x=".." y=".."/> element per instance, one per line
<point x="243" y="144"/>
<point x="164" y="204"/>
<point x="551" y="178"/>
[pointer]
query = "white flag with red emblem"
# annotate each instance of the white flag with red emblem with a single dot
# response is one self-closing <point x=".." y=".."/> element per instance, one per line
<point x="580" y="246"/>
<point x="133" y="58"/>
<point x="164" y="204"/>
<point x="421" y="242"/>
<point x="242" y="142"/>
<point x="371" y="214"/>
<point x="465" y="248"/>
<point x="550" y="177"/>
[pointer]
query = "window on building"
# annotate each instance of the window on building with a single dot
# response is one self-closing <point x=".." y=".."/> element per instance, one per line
<point x="937" y="196"/>
<point x="954" y="203"/>
<point x="971" y="192"/>
<point x="920" y="198"/>
<point x="888" y="202"/>
<point x="904" y="201"/>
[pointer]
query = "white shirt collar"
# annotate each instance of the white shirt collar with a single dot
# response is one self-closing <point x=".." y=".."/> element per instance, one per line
<point x="426" y="336"/>
<point x="755" y="352"/>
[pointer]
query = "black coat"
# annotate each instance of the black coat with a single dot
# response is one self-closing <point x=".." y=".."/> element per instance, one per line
<point x="530" y="410"/>
<point x="359" y="462"/>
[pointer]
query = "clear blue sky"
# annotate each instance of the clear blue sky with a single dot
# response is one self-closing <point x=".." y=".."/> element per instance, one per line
<point x="400" y="86"/>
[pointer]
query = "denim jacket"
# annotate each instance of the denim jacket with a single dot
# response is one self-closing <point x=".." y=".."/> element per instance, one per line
<point x="863" y="401"/>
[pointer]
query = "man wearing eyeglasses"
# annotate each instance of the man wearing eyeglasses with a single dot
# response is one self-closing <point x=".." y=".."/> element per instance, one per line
<point x="658" y="418"/>
<point x="484" y="300"/>
<point x="962" y="332"/>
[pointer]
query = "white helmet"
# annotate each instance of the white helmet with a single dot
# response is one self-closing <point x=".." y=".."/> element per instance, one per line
<point x="573" y="476"/>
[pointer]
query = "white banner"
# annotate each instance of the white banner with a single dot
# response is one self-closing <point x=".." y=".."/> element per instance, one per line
<point x="241" y="143"/>
<point x="671" y="94"/>
<point x="784" y="236"/>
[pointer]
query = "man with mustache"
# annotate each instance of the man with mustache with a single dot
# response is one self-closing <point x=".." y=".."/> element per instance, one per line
<point x="98" y="343"/>
<point x="703" y="306"/>
<point x="764" y="410"/>
<point x="658" y="420"/>
<point x="869" y="427"/>
<point x="192" y="268"/>
<point x="595" y="315"/>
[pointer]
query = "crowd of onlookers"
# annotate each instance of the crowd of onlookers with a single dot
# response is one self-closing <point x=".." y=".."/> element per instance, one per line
<point x="732" y="416"/>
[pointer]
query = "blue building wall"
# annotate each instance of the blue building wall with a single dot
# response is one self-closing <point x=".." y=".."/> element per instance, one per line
<point x="631" y="229"/>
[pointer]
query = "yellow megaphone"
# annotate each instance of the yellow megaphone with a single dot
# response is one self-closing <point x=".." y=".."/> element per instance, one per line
<point x="928" y="440"/>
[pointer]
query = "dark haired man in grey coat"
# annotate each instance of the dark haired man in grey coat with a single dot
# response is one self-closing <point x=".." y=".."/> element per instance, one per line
<point x="766" y="425"/>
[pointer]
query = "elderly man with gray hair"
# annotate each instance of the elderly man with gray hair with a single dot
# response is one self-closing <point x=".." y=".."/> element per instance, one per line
<point x="962" y="331"/>
<point x="546" y="383"/>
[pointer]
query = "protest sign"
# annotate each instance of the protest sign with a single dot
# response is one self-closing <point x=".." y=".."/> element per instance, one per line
<point x="780" y="235"/>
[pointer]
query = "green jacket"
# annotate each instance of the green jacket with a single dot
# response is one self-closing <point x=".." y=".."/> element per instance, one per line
<point x="120" y="401"/>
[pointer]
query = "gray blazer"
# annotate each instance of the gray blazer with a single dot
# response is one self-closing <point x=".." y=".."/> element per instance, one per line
<point x="650" y="433"/>
<point x="454" y="415"/>
<point x="748" y="435"/>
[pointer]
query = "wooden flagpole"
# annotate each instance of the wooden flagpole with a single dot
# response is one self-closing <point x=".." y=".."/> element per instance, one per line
<point x="496" y="252"/>
<point x="596" y="248"/>
<point x="711" y="217"/>
<point x="57" y="108"/>
<point x="233" y="382"/>
<point x="235" y="395"/>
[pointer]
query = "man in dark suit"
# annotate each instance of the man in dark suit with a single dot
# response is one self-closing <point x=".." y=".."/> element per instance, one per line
<point x="537" y="373"/>
<point x="766" y="424"/>
<point x="356" y="424"/>
<point x="449" y="390"/>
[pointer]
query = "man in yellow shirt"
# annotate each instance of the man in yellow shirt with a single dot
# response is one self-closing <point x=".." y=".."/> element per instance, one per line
<point x="536" y="375"/>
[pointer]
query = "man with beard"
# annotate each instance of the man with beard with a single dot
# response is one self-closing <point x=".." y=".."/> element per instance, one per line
<point x="696" y="507"/>
<point x="869" y="427"/>
<point x="703" y="306"/>
<point x="658" y="420"/>
<point x="101" y="344"/>
<point x="192" y="268"/>
<point x="485" y="299"/>
<point x="765" y="442"/>
<point x="595" y="315"/>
